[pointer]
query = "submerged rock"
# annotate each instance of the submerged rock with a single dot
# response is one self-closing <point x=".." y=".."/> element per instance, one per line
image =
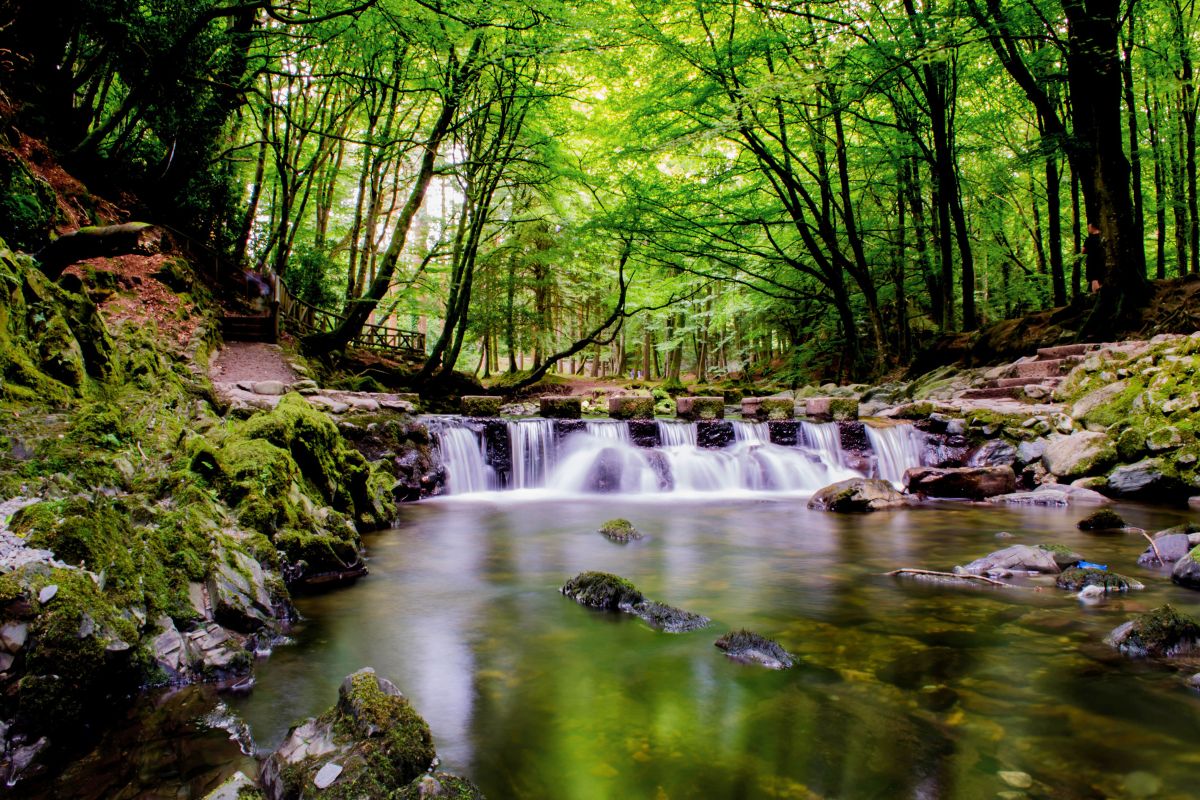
<point x="857" y="494"/>
<point x="668" y="618"/>
<point x="1045" y="559"/>
<point x="1103" y="520"/>
<point x="1160" y="633"/>
<point x="602" y="590"/>
<point x="974" y="483"/>
<point x="620" y="530"/>
<point x="751" y="648"/>
<point x="1076" y="578"/>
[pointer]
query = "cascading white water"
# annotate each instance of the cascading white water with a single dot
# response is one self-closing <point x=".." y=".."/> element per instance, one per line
<point x="533" y="451"/>
<point x="897" y="447"/>
<point x="751" y="432"/>
<point x="675" y="434"/>
<point x="602" y="458"/>
<point x="463" y="457"/>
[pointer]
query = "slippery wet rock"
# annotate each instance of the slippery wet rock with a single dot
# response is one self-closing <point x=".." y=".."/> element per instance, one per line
<point x="1187" y="570"/>
<point x="1172" y="544"/>
<point x="607" y="592"/>
<point x="857" y="494"/>
<point x="620" y="531"/>
<point x="974" y="483"/>
<point x="1145" y="479"/>
<point x="238" y="592"/>
<point x="232" y="788"/>
<point x="751" y="648"/>
<point x="1047" y="560"/>
<point x="1103" y="520"/>
<point x="1161" y="633"/>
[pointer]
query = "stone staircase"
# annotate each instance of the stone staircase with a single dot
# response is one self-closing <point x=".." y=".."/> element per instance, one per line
<point x="1034" y="377"/>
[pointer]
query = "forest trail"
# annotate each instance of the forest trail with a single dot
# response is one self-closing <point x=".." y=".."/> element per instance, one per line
<point x="251" y="361"/>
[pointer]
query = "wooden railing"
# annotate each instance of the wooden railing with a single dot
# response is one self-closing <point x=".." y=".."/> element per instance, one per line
<point x="305" y="318"/>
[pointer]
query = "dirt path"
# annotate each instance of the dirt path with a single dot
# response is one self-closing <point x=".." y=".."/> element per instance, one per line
<point x="251" y="361"/>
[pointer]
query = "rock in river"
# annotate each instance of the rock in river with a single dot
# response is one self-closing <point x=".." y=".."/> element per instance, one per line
<point x="754" y="649"/>
<point x="857" y="494"/>
<point x="1160" y="633"/>
<point x="1046" y="559"/>
<point x="1076" y="578"/>
<point x="974" y="483"/>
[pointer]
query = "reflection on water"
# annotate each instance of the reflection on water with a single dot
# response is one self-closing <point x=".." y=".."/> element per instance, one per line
<point x="901" y="690"/>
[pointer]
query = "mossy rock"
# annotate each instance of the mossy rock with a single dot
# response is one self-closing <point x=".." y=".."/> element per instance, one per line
<point x="620" y="531"/>
<point x="669" y="618"/>
<point x="1104" y="519"/>
<point x="320" y="552"/>
<point x="481" y="405"/>
<point x="1063" y="556"/>
<point x="557" y="407"/>
<point x="441" y="785"/>
<point x="696" y="408"/>
<point x="631" y="407"/>
<point x="27" y="204"/>
<point x="1076" y="578"/>
<point x="602" y="590"/>
<point x="1131" y="443"/>
<point x="1161" y="633"/>
<point x="749" y="647"/>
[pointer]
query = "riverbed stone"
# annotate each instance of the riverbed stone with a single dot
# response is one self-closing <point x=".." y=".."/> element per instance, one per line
<point x="857" y="494"/>
<point x="1023" y="558"/>
<point x="1076" y="578"/>
<point x="1161" y="633"/>
<point x="975" y="483"/>
<point x="1103" y="520"/>
<point x="1170" y="548"/>
<point x="620" y="530"/>
<point x="695" y="408"/>
<point x="1082" y="453"/>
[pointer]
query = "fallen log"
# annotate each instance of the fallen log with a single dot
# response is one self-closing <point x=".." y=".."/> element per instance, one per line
<point x="94" y="241"/>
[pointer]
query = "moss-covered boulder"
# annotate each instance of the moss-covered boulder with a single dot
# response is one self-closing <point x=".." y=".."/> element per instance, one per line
<point x="1161" y="633"/>
<point x="696" y="408"/>
<point x="481" y="405"/>
<point x="558" y="407"/>
<point x="1082" y="453"/>
<point x="27" y="204"/>
<point x="631" y="407"/>
<point x="620" y="531"/>
<point x="1076" y="578"/>
<point x="762" y="409"/>
<point x="602" y="590"/>
<point x="1105" y="519"/>
<point x="857" y="494"/>
<point x="371" y="744"/>
<point x="751" y="648"/>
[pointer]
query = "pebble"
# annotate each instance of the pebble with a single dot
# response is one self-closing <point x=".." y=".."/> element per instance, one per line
<point x="1017" y="780"/>
<point x="327" y="775"/>
<point x="47" y="593"/>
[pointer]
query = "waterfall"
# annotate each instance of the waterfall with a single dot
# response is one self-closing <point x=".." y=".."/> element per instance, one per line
<point x="897" y="447"/>
<point x="600" y="456"/>
<point x="463" y="457"/>
<point x="675" y="434"/>
<point x="534" y="452"/>
<point x="751" y="432"/>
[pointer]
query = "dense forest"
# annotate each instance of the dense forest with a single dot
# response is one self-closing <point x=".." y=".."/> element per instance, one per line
<point x="665" y="188"/>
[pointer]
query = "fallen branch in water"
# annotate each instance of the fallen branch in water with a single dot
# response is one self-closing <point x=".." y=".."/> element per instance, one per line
<point x="952" y="575"/>
<point x="1154" y="547"/>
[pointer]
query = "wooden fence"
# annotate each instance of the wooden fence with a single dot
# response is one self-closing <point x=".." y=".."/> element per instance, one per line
<point x="304" y="318"/>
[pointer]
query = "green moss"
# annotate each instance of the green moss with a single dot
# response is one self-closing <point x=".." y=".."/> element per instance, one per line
<point x="321" y="552"/>
<point x="631" y="407"/>
<point x="1104" y="519"/>
<point x="442" y="785"/>
<point x="620" y="530"/>
<point x="601" y="590"/>
<point x="1076" y="578"/>
<point x="481" y="405"/>
<point x="1162" y="632"/>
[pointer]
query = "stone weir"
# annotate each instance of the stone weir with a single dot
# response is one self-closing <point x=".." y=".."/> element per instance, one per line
<point x="647" y="455"/>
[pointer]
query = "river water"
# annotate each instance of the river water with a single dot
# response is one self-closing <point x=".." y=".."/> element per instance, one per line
<point x="901" y="690"/>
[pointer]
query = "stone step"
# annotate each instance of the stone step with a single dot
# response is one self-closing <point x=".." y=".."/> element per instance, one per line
<point x="988" y="393"/>
<point x="1063" y="350"/>
<point x="1044" y="369"/>
<point x="1050" y="382"/>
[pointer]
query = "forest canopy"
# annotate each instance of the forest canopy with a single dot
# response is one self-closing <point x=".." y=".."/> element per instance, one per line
<point x="702" y="189"/>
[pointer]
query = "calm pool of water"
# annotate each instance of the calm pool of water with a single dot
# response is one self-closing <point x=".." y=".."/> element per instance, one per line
<point x="901" y="690"/>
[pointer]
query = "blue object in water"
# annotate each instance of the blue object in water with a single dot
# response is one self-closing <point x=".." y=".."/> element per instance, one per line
<point x="1090" y="565"/>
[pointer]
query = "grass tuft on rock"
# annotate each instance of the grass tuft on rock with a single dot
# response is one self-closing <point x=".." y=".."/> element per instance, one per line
<point x="620" y="530"/>
<point x="602" y="590"/>
<point x="1103" y="520"/>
